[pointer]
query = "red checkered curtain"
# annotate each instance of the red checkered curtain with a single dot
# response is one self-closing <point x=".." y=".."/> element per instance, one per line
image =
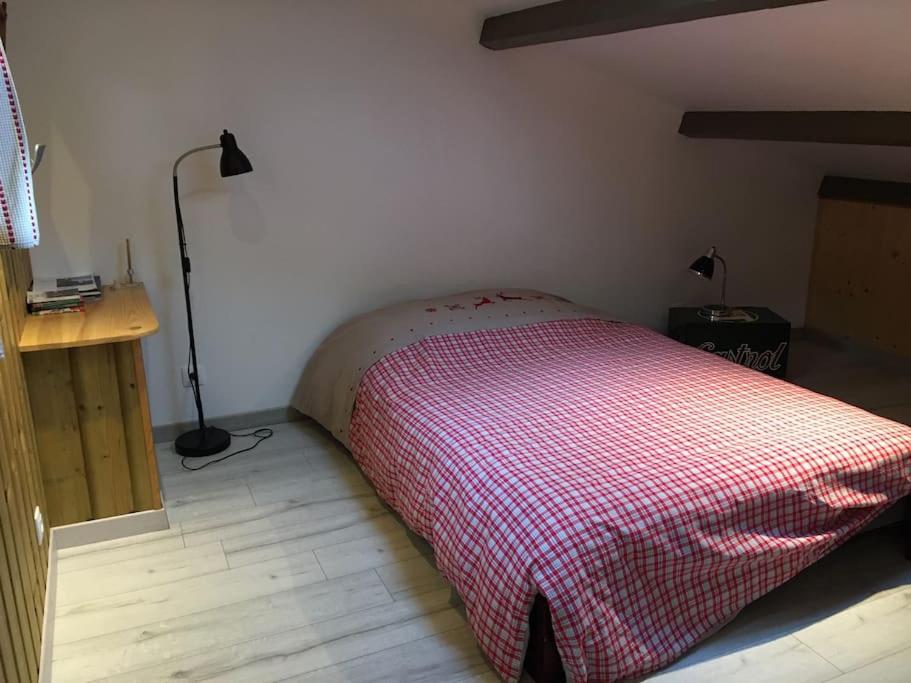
<point x="17" y="196"/>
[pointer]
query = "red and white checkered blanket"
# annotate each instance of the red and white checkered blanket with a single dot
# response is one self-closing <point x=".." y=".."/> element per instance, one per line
<point x="647" y="489"/>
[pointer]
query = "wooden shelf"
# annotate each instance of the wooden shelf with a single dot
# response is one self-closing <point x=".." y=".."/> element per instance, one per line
<point x="123" y="314"/>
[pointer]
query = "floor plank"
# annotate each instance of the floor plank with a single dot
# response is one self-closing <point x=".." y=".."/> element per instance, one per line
<point x="208" y="500"/>
<point x="784" y="659"/>
<point x="267" y="519"/>
<point x="288" y="462"/>
<point x="443" y="658"/>
<point x="128" y="610"/>
<point x="139" y="573"/>
<point x="343" y="484"/>
<point x="367" y="553"/>
<point x="893" y="669"/>
<point x="872" y="629"/>
<point x="312" y="647"/>
<point x="319" y="534"/>
<point x="168" y="640"/>
<point x="411" y="577"/>
<point x="113" y="552"/>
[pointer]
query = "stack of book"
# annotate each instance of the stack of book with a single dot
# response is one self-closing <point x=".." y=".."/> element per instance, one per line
<point x="63" y="294"/>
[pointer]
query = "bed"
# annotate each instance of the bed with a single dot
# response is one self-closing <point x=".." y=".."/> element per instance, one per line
<point x="588" y="484"/>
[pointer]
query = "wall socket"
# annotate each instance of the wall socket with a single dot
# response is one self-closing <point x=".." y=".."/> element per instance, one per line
<point x="185" y="376"/>
<point x="39" y="525"/>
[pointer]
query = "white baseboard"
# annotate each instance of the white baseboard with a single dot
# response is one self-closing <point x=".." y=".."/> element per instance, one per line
<point x="110" y="528"/>
<point x="85" y="533"/>
<point x="46" y="659"/>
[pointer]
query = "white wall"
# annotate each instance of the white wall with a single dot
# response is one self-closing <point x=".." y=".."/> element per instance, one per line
<point x="393" y="157"/>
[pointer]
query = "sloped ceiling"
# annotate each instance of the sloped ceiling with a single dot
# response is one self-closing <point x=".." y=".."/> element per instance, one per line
<point x="838" y="54"/>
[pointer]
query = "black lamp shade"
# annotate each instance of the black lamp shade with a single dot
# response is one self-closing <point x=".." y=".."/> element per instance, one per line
<point x="704" y="266"/>
<point x="233" y="161"/>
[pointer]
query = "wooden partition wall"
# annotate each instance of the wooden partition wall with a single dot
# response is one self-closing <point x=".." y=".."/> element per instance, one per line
<point x="23" y="561"/>
<point x="861" y="274"/>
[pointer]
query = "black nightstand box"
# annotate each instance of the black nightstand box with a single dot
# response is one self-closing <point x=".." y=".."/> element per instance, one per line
<point x="761" y="344"/>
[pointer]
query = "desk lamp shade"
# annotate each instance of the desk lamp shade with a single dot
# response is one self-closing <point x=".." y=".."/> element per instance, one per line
<point x="704" y="266"/>
<point x="233" y="161"/>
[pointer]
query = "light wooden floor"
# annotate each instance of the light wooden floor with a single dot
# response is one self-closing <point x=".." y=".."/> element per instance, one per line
<point x="282" y="565"/>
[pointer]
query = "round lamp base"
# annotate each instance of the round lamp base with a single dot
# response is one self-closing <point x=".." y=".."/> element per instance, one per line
<point x="200" y="443"/>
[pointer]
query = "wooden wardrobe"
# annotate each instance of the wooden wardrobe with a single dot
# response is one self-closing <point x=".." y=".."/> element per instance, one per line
<point x="860" y="280"/>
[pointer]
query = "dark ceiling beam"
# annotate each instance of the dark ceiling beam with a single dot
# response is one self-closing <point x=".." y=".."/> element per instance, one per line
<point x="891" y="128"/>
<point x="570" y="19"/>
<point x="867" y="191"/>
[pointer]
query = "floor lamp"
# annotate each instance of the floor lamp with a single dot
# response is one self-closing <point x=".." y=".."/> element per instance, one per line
<point x="204" y="440"/>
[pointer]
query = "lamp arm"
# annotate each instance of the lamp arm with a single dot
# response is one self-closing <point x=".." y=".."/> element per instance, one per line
<point x="192" y="151"/>
<point x="724" y="280"/>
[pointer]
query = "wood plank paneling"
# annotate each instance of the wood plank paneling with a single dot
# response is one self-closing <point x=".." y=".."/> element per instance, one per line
<point x="8" y="668"/>
<point x="23" y="561"/>
<point x="50" y="382"/>
<point x="27" y="565"/>
<point x="91" y="413"/>
<point x="137" y="424"/>
<point x="145" y="411"/>
<point x="23" y="659"/>
<point x="97" y="394"/>
<point x="861" y="274"/>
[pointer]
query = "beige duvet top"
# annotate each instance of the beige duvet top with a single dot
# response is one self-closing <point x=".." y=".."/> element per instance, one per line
<point x="329" y="384"/>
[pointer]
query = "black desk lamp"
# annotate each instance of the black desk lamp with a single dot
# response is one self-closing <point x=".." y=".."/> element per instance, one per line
<point x="704" y="267"/>
<point x="204" y="440"/>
